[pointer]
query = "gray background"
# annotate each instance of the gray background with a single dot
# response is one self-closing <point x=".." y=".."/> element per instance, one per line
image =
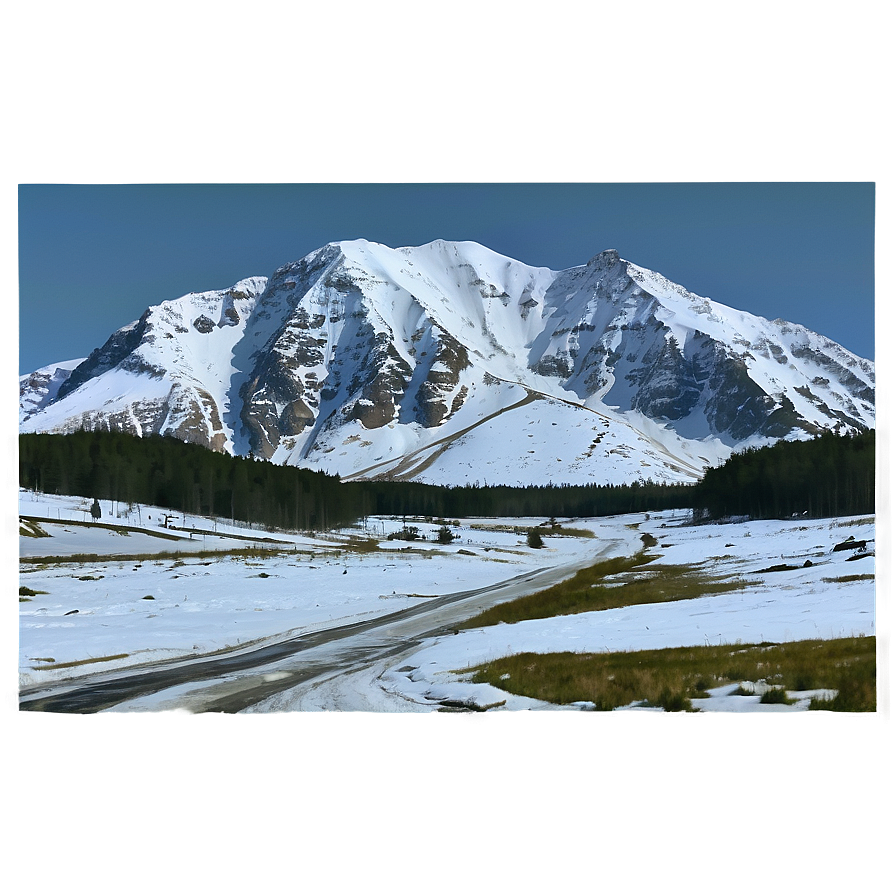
<point x="186" y="92"/>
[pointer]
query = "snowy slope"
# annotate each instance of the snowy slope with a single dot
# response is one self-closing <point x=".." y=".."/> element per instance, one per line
<point x="451" y="363"/>
<point x="38" y="389"/>
<point x="167" y="373"/>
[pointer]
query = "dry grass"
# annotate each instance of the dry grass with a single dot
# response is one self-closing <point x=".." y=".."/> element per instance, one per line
<point x="30" y="529"/>
<point x="356" y="545"/>
<point x="66" y="559"/>
<point x="589" y="589"/>
<point x="26" y="593"/>
<point x="864" y="577"/>
<point x="69" y="665"/>
<point x="671" y="678"/>
<point x="571" y="532"/>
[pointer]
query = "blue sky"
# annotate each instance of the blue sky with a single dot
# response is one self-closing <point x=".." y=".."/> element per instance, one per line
<point x="93" y="257"/>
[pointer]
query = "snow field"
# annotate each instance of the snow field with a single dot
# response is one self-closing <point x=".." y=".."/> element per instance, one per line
<point x="202" y="604"/>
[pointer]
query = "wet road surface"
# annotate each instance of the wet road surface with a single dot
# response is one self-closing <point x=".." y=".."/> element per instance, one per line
<point x="232" y="681"/>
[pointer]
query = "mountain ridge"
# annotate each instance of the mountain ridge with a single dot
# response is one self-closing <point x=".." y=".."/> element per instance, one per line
<point x="359" y="358"/>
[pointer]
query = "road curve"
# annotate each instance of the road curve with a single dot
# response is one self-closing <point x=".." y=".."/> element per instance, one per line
<point x="238" y="679"/>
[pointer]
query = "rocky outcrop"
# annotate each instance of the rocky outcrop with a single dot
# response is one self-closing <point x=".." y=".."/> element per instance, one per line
<point x="839" y="370"/>
<point x="381" y="393"/>
<point x="190" y="414"/>
<point x="273" y="404"/>
<point x="117" y="350"/>
<point x="431" y="408"/>
<point x="668" y="384"/>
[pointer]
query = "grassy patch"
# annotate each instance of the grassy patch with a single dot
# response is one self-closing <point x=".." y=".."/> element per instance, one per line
<point x="864" y="521"/>
<point x="588" y="590"/>
<point x="25" y="591"/>
<point x="571" y="532"/>
<point x="864" y="577"/>
<point x="671" y="678"/>
<point x="546" y="529"/>
<point x="58" y="560"/>
<point x="93" y="659"/>
<point x="673" y="701"/>
<point x="31" y="529"/>
<point x="775" y="696"/>
<point x="497" y="527"/>
<point x="361" y="545"/>
<point x="855" y="693"/>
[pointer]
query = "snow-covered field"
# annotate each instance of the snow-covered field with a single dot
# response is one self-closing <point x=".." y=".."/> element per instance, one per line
<point x="152" y="608"/>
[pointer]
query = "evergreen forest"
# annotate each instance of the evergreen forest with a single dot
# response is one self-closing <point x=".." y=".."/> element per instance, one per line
<point x="188" y="478"/>
<point x="829" y="475"/>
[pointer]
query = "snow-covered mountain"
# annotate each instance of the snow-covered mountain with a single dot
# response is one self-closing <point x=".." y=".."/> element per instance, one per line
<point x="450" y="363"/>
<point x="38" y="389"/>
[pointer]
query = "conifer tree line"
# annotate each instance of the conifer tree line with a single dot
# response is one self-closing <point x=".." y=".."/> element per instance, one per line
<point x="388" y="498"/>
<point x="166" y="472"/>
<point x="180" y="476"/>
<point x="829" y="475"/>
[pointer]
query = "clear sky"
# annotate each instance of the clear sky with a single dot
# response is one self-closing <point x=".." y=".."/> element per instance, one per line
<point x="92" y="258"/>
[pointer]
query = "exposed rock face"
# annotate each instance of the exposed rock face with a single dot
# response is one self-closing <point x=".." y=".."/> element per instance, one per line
<point x="141" y="418"/>
<point x="273" y="404"/>
<point x="559" y="365"/>
<point x="191" y="414"/>
<point x="188" y="414"/>
<point x="40" y="388"/>
<point x="203" y="325"/>
<point x="736" y="406"/>
<point x="441" y="383"/>
<point x="668" y="385"/>
<point x="842" y="367"/>
<point x="230" y="317"/>
<point x="621" y="342"/>
<point x="118" y="350"/>
<point x="383" y="384"/>
<point x="273" y="399"/>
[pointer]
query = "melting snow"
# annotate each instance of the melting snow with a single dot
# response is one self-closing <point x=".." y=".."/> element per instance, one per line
<point x="200" y="604"/>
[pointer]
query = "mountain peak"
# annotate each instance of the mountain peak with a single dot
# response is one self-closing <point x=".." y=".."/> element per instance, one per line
<point x="604" y="260"/>
<point x="372" y="361"/>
